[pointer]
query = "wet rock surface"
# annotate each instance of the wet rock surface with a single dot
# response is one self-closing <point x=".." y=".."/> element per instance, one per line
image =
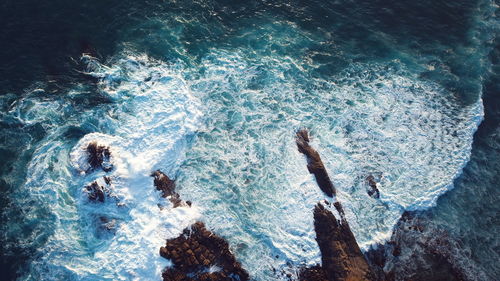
<point x="166" y="186"/>
<point x="98" y="192"/>
<point x="418" y="250"/>
<point x="98" y="157"/>
<point x="341" y="256"/>
<point x="314" y="273"/>
<point x="199" y="254"/>
<point x="373" y="190"/>
<point x="314" y="163"/>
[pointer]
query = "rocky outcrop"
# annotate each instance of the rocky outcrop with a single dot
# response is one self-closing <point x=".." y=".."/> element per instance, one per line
<point x="100" y="190"/>
<point x="196" y="254"/>
<point x="197" y="251"/>
<point x="95" y="192"/>
<point x="419" y="250"/>
<point x="373" y="190"/>
<point x="341" y="256"/>
<point x="167" y="188"/>
<point x="98" y="157"/>
<point x="314" y="163"/>
<point x="314" y="273"/>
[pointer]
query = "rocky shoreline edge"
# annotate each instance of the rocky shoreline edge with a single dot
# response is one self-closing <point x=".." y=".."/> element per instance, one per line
<point x="412" y="253"/>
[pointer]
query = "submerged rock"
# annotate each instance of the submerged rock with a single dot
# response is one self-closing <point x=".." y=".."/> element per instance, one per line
<point x="98" y="157"/>
<point x="196" y="253"/>
<point x="105" y="226"/>
<point x="314" y="163"/>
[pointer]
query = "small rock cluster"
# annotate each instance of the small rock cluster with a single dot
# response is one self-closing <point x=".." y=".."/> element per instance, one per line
<point x="98" y="192"/>
<point x="314" y="273"/>
<point x="167" y="187"/>
<point x="199" y="254"/>
<point x="98" y="157"/>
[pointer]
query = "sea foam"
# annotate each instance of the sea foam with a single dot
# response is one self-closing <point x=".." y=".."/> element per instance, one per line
<point x="152" y="118"/>
<point x="224" y="128"/>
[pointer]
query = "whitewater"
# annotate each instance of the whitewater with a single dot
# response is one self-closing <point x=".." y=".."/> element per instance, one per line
<point x="224" y="128"/>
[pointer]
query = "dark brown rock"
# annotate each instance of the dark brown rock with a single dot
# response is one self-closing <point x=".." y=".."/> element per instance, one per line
<point x="314" y="163"/>
<point x="315" y="273"/>
<point x="167" y="187"/>
<point x="107" y="180"/>
<point x="341" y="256"/>
<point x="97" y="156"/>
<point x="197" y="249"/>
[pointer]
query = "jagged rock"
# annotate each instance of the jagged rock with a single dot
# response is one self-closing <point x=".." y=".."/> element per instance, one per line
<point x="315" y="273"/>
<point x="376" y="258"/>
<point x="418" y="250"/>
<point x="98" y="191"/>
<point x="98" y="157"/>
<point x="163" y="183"/>
<point x="95" y="192"/>
<point x="197" y="249"/>
<point x="314" y="163"/>
<point x="341" y="256"/>
<point x="373" y="190"/>
<point x="167" y="187"/>
<point x="107" y="180"/>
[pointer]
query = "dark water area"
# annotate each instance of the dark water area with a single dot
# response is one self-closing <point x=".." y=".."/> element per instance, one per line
<point x="446" y="42"/>
<point x="470" y="210"/>
<point x="42" y="39"/>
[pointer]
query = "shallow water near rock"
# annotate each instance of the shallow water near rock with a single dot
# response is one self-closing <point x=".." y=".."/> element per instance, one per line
<point x="212" y="94"/>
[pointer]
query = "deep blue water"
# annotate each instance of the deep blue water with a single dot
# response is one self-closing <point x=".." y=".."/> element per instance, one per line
<point x="211" y="92"/>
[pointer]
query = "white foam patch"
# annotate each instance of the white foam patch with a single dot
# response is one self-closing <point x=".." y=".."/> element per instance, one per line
<point x="152" y="115"/>
<point x="246" y="172"/>
<point x="243" y="169"/>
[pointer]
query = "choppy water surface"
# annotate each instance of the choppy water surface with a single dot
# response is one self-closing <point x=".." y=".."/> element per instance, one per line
<point x="212" y="94"/>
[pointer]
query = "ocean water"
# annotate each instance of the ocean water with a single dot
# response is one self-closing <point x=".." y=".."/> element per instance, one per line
<point x="212" y="93"/>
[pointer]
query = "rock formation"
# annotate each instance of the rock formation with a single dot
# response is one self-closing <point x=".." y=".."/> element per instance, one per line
<point x="196" y="253"/>
<point x="314" y="163"/>
<point x="167" y="187"/>
<point x="419" y="250"/>
<point x="95" y="192"/>
<point x="373" y="190"/>
<point x="99" y="192"/>
<point x="341" y="257"/>
<point x="98" y="157"/>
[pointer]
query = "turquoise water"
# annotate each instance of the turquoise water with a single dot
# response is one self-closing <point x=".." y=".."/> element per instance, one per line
<point x="211" y="94"/>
